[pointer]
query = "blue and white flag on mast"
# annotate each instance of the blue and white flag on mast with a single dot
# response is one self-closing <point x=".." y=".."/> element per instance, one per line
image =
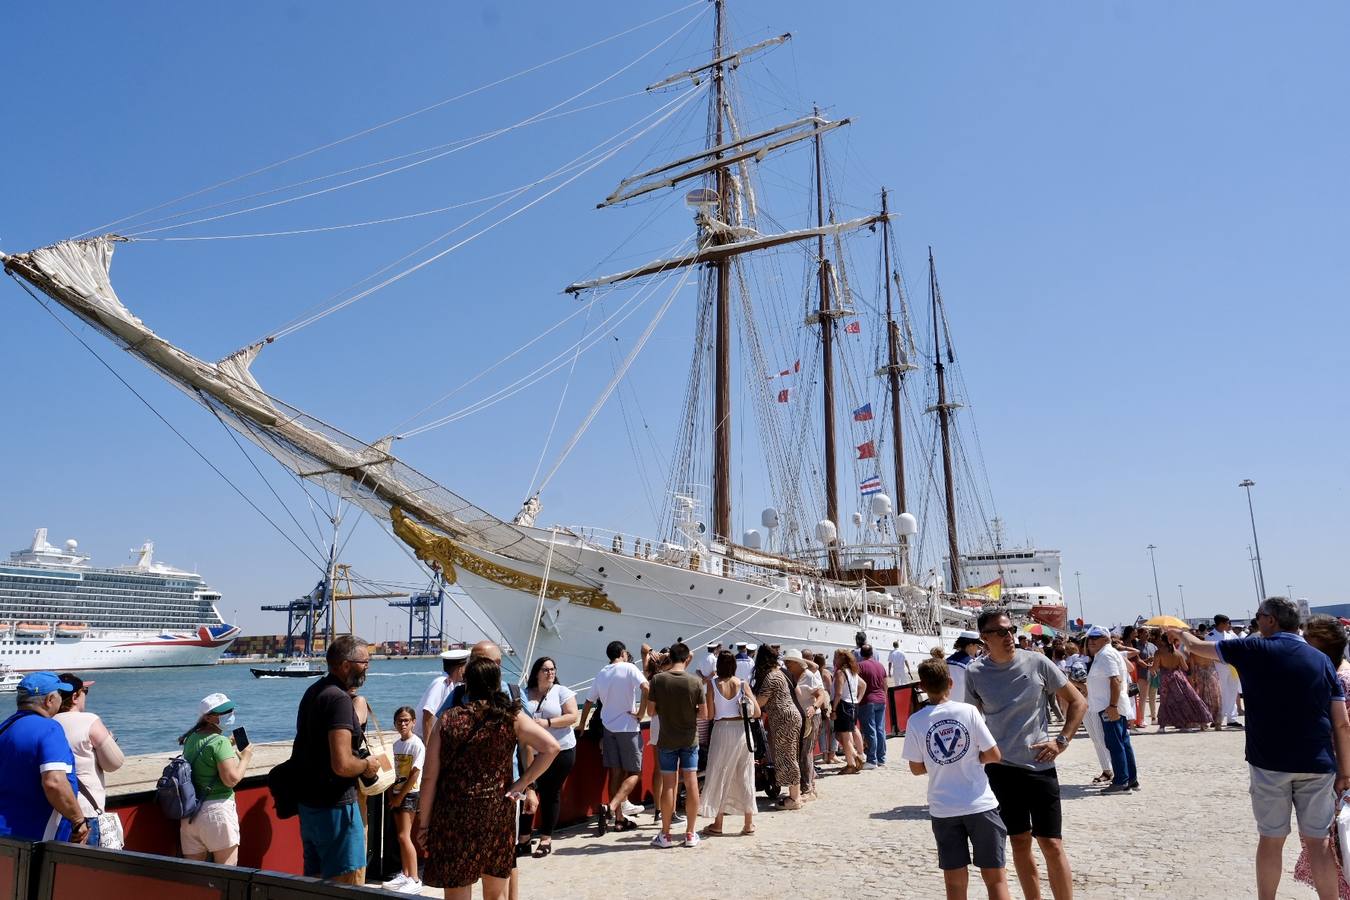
<point x="870" y="486"/>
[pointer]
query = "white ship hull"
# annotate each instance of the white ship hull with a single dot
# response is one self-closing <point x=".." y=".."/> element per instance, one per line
<point x="661" y="603"/>
<point x="111" y="649"/>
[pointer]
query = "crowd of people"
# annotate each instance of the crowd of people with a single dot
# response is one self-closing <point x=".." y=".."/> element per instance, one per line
<point x="484" y="756"/>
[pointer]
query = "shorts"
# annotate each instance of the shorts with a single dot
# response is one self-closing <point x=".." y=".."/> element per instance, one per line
<point x="671" y="761"/>
<point x="213" y="829"/>
<point x="847" y="716"/>
<point x="333" y="840"/>
<point x="409" y="804"/>
<point x="1275" y="794"/>
<point x="1028" y="799"/>
<point x="622" y="750"/>
<point x="957" y="834"/>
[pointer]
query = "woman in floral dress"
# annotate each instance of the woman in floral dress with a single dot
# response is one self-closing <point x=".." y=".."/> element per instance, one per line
<point x="1179" y="706"/>
<point x="1205" y="679"/>
<point x="467" y="787"/>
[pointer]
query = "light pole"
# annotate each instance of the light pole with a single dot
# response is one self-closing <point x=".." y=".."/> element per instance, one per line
<point x="1156" y="592"/>
<point x="1150" y="604"/>
<point x="1251" y="564"/>
<point x="1183" y="602"/>
<point x="1078" y="576"/>
<point x="1260" y="575"/>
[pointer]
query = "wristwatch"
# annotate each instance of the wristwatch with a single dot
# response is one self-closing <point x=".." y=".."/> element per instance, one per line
<point x="1062" y="741"/>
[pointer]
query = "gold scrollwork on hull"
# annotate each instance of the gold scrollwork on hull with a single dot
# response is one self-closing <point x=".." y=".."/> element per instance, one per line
<point x="432" y="547"/>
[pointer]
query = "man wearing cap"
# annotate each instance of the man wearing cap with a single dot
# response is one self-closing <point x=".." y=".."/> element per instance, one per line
<point x="745" y="661"/>
<point x="452" y="664"/>
<point x="96" y="751"/>
<point x="707" y="667"/>
<point x="811" y="699"/>
<point x="37" y="792"/>
<point x="968" y="646"/>
<point x="1109" y="703"/>
<point x="327" y="737"/>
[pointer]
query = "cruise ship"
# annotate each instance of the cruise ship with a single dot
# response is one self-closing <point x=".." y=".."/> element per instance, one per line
<point x="58" y="612"/>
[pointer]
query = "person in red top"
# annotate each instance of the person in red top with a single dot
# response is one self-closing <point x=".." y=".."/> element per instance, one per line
<point x="872" y="710"/>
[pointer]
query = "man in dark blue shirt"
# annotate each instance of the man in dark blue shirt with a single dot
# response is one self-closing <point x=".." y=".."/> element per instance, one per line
<point x="37" y="793"/>
<point x="1298" y="739"/>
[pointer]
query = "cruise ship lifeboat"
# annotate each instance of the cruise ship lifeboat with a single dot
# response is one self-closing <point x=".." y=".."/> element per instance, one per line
<point x="31" y="630"/>
<point x="71" y="630"/>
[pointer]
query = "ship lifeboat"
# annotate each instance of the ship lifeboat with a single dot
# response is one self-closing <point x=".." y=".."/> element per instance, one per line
<point x="71" y="629"/>
<point x="31" y="629"/>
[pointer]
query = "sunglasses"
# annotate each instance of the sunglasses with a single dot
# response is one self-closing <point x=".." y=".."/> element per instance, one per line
<point x="999" y="632"/>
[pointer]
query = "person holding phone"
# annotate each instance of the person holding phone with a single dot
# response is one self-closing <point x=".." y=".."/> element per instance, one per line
<point x="217" y="766"/>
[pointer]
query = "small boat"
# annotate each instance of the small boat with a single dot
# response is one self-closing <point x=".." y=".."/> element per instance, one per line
<point x="71" y="629"/>
<point x="32" y="629"/>
<point x="9" y="680"/>
<point x="299" y="669"/>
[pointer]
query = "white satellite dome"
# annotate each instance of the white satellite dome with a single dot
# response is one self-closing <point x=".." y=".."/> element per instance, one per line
<point x="857" y="518"/>
<point x="826" y="533"/>
<point x="752" y="539"/>
<point x="905" y="523"/>
<point x="71" y="545"/>
<point x="769" y="518"/>
<point x="880" y="505"/>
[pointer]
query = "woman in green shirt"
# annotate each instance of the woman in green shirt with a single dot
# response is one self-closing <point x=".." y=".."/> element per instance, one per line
<point x="213" y="833"/>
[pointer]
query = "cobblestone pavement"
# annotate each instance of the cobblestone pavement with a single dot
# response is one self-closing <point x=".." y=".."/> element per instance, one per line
<point x="1188" y="833"/>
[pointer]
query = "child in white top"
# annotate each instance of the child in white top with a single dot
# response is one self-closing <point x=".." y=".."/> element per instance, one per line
<point x="949" y="742"/>
<point x="409" y="759"/>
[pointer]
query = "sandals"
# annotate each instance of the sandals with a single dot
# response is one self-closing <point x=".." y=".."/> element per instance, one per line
<point x="542" y="850"/>
<point x="1103" y="778"/>
<point x="748" y="831"/>
<point x="624" y="825"/>
<point x="709" y="831"/>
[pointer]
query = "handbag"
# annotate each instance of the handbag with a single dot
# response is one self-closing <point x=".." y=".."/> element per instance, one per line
<point x="110" y="834"/>
<point x="756" y="741"/>
<point x="384" y="776"/>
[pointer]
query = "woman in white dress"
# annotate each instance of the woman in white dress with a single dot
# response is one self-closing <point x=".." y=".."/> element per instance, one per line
<point x="729" y="782"/>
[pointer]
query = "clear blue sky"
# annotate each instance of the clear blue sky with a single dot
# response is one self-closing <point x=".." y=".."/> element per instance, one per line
<point x="1139" y="210"/>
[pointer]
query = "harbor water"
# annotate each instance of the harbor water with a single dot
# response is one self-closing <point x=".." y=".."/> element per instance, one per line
<point x="147" y="709"/>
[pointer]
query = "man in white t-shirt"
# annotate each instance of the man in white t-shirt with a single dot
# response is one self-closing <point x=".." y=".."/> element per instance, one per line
<point x="452" y="664"/>
<point x="621" y="690"/>
<point x="898" y="666"/>
<point x="1228" y="680"/>
<point x="707" y="667"/>
<point x="949" y="742"/>
<point x="1108" y="699"/>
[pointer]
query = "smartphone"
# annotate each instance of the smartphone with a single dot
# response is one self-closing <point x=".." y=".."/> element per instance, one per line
<point x="240" y="739"/>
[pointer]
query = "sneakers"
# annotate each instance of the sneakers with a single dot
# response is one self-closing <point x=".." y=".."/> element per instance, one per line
<point x="1134" y="785"/>
<point x="881" y="764"/>
<point x="631" y="809"/>
<point x="1116" y="789"/>
<point x="411" y="886"/>
<point x="870" y="765"/>
<point x="677" y="816"/>
<point x="395" y="883"/>
<point x="662" y="841"/>
<point x="691" y="839"/>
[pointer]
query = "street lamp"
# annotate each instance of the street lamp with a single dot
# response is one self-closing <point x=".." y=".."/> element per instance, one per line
<point x="1183" y="601"/>
<point x="1150" y="603"/>
<point x="1157" y="593"/>
<point x="1078" y="576"/>
<point x="1260" y="574"/>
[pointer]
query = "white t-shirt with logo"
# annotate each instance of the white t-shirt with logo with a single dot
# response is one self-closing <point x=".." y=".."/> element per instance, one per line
<point x="618" y="687"/>
<point x="948" y="739"/>
<point x="1107" y="663"/>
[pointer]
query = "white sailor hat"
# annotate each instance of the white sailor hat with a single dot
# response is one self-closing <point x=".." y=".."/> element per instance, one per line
<point x="970" y="636"/>
<point x="714" y="645"/>
<point x="752" y="647"/>
<point x="455" y="655"/>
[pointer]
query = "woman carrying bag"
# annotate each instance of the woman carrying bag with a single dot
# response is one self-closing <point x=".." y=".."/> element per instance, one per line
<point x="729" y="780"/>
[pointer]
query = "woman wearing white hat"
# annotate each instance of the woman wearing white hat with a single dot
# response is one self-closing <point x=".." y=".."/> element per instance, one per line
<point x="213" y="833"/>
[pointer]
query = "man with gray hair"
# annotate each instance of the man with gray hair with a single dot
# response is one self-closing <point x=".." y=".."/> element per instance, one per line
<point x="1298" y="739"/>
<point x="37" y="793"/>
<point x="327" y="740"/>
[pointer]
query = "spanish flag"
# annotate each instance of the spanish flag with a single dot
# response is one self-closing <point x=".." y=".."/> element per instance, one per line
<point x="993" y="590"/>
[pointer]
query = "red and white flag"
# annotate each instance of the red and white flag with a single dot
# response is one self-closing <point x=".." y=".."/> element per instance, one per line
<point x="854" y="327"/>
<point x="867" y="450"/>
<point x="783" y="395"/>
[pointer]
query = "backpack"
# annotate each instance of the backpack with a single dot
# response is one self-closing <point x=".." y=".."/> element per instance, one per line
<point x="175" y="792"/>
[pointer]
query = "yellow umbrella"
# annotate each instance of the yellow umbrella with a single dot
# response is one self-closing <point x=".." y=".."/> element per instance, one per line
<point x="1166" y="622"/>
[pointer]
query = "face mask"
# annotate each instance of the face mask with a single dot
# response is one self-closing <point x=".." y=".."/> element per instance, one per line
<point x="227" y="721"/>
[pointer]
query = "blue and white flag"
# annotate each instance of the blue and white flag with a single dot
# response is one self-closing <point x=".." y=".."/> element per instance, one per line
<point x="870" y="486"/>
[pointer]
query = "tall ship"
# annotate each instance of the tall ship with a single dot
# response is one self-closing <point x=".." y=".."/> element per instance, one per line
<point x="807" y="388"/>
<point x="58" y="612"/>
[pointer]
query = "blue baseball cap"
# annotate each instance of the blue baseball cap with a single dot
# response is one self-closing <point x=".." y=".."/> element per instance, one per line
<point x="1096" y="631"/>
<point x="43" y="683"/>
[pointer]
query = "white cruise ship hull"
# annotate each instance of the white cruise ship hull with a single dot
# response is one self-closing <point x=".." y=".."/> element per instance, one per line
<point x="113" y="649"/>
<point x="660" y="603"/>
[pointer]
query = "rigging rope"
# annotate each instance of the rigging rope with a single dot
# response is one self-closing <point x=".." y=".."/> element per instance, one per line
<point x="398" y="119"/>
<point x="557" y="412"/>
<point x="160" y="416"/>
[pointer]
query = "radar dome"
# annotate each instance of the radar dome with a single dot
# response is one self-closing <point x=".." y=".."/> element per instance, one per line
<point x="769" y="518"/>
<point x="880" y="505"/>
<point x="857" y="518"/>
<point x="905" y="523"/>
<point x="826" y="533"/>
<point x="71" y="545"/>
<point x="751" y="539"/>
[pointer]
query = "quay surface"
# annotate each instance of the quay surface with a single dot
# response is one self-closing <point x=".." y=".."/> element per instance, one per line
<point x="1188" y="833"/>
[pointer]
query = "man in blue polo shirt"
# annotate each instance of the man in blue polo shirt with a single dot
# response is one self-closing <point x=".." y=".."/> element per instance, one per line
<point x="37" y="794"/>
<point x="1298" y="739"/>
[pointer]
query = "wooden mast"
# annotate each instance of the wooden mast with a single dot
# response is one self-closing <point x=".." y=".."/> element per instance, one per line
<point x="944" y="411"/>
<point x="895" y="374"/>
<point x="826" y="321"/>
<point x="721" y="470"/>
